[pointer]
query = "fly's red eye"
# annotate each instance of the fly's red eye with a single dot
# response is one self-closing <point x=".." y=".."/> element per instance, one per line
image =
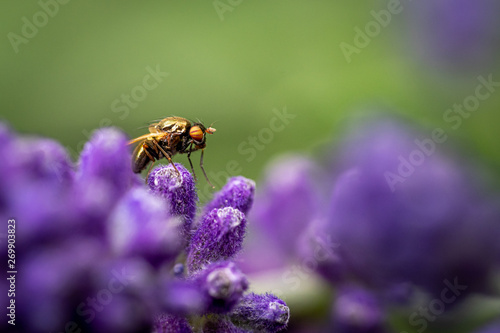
<point x="196" y="133"/>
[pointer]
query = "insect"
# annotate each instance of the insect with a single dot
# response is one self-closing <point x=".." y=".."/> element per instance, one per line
<point x="166" y="138"/>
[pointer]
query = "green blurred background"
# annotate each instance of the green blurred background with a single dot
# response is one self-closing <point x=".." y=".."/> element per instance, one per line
<point x="233" y="64"/>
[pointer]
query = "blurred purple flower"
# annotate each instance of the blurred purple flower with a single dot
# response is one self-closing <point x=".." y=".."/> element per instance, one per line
<point x="429" y="226"/>
<point x="99" y="249"/>
<point x="457" y="35"/>
<point x="141" y="226"/>
<point x="284" y="208"/>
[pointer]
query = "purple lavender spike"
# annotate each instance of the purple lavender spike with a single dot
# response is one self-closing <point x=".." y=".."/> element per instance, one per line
<point x="141" y="226"/>
<point x="262" y="313"/>
<point x="219" y="237"/>
<point x="43" y="159"/>
<point x="223" y="284"/>
<point x="179" y="192"/>
<point x="237" y="193"/>
<point x="106" y="157"/>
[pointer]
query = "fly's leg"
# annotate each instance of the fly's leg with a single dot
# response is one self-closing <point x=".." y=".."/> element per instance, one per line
<point x="167" y="156"/>
<point x="189" y="159"/>
<point x="202" y="169"/>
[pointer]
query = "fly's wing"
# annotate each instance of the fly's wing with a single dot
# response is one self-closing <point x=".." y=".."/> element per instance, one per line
<point x="172" y="125"/>
<point x="146" y="136"/>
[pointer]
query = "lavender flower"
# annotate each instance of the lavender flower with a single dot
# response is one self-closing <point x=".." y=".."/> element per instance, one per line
<point x="105" y="158"/>
<point x="285" y="207"/>
<point x="237" y="193"/>
<point x="179" y="192"/>
<point x="264" y="313"/>
<point x="103" y="253"/>
<point x="223" y="284"/>
<point x="457" y="35"/>
<point x="141" y="226"/>
<point x="219" y="237"/>
<point x="427" y="227"/>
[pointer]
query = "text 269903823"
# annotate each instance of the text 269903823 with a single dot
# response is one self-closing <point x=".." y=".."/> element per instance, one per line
<point x="11" y="270"/>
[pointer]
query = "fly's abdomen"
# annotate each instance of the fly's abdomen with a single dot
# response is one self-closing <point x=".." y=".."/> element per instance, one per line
<point x="140" y="159"/>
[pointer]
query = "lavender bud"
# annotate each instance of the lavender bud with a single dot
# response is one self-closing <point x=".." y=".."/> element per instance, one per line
<point x="43" y="159"/>
<point x="167" y="323"/>
<point x="262" y="313"/>
<point x="141" y="226"/>
<point x="219" y="237"/>
<point x="106" y="157"/>
<point x="223" y="284"/>
<point x="180" y="193"/>
<point x="237" y="193"/>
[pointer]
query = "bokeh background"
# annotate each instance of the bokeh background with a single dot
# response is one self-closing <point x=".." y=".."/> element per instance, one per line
<point x="237" y="63"/>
